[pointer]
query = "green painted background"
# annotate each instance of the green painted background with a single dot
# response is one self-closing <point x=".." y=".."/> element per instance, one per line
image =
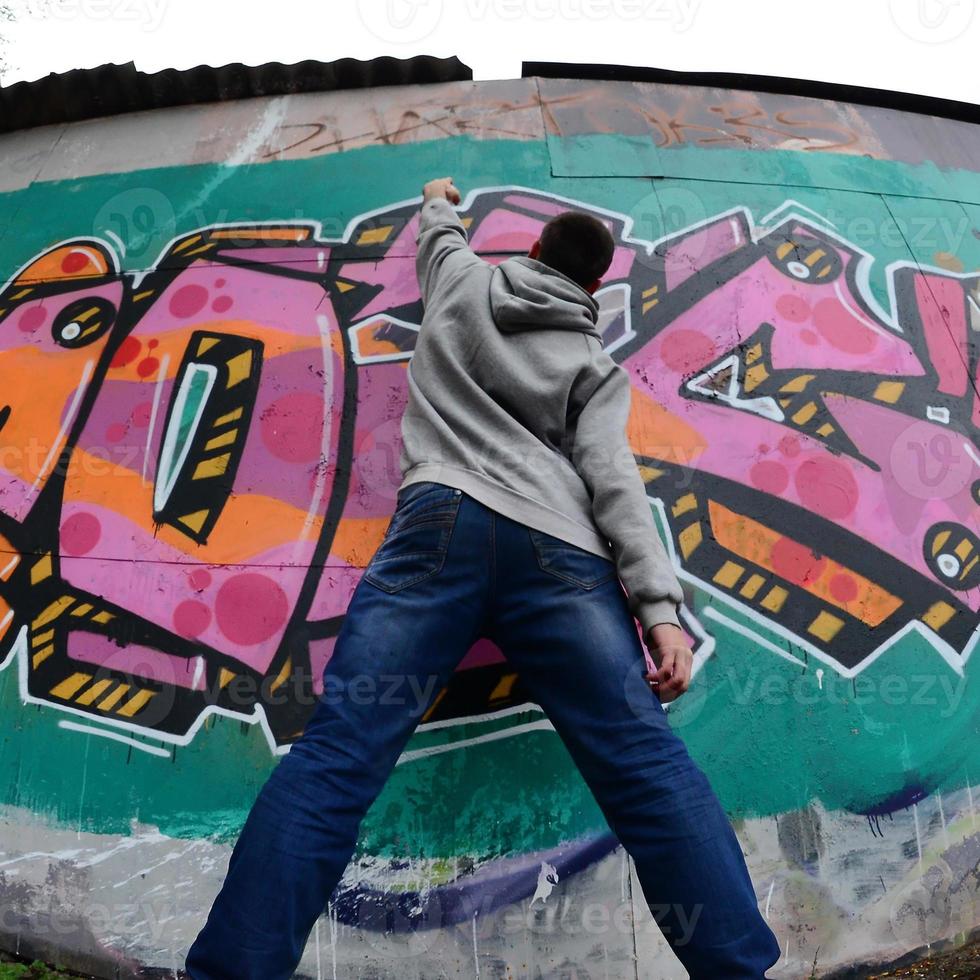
<point x="765" y="749"/>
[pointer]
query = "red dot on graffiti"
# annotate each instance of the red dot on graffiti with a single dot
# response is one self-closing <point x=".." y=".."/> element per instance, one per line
<point x="769" y="476"/>
<point x="191" y="618"/>
<point x="74" y="262"/>
<point x="219" y="283"/>
<point x="188" y="301"/>
<point x="250" y="608"/>
<point x="796" y="562"/>
<point x="141" y="415"/>
<point x="32" y="318"/>
<point x="222" y="304"/>
<point x="80" y="534"/>
<point x="292" y="427"/>
<point x="153" y="344"/>
<point x="809" y="337"/>
<point x="128" y="351"/>
<point x="827" y="487"/>
<point x="115" y="432"/>
<point x="199" y="579"/>
<point x="842" y="329"/>
<point x="843" y="587"/>
<point x="791" y="307"/>
<point x="685" y="350"/>
<point x="789" y="445"/>
<point x="147" y="366"/>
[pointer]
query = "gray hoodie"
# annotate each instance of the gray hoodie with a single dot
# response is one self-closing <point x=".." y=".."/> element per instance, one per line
<point x="513" y="400"/>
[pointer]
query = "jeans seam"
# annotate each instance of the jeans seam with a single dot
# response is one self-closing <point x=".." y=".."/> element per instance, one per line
<point x="448" y="525"/>
<point x="493" y="556"/>
<point x="540" y="553"/>
<point x="442" y="521"/>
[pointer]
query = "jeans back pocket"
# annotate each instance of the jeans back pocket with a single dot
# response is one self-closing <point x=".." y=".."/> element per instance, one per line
<point x="417" y="540"/>
<point x="569" y="562"/>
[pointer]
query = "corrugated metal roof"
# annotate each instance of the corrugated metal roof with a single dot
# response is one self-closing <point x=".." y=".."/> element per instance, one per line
<point x="109" y="90"/>
<point x="776" y="84"/>
<point x="112" y="89"/>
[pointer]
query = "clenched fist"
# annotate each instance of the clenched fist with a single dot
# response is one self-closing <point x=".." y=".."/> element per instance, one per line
<point x="441" y="187"/>
<point x="673" y="658"/>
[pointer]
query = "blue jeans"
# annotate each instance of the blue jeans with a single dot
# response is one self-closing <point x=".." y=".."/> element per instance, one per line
<point x="449" y="571"/>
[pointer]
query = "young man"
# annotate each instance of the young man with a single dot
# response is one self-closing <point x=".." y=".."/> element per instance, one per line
<point x="520" y="511"/>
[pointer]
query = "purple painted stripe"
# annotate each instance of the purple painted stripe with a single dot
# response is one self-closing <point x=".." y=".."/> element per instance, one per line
<point x="498" y="884"/>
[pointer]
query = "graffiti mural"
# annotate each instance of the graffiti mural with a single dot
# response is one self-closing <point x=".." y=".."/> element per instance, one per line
<point x="833" y="474"/>
<point x="199" y="459"/>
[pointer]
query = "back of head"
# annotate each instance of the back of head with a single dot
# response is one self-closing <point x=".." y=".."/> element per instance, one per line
<point x="578" y="245"/>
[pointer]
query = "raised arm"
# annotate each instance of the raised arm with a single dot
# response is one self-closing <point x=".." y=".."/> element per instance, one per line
<point x="442" y="245"/>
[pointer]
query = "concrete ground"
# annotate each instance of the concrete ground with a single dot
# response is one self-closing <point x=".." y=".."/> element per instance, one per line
<point x="959" y="964"/>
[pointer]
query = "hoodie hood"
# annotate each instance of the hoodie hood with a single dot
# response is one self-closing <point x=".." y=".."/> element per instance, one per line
<point x="528" y="295"/>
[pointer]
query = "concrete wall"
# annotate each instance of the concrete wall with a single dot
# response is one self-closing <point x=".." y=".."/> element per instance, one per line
<point x="205" y="321"/>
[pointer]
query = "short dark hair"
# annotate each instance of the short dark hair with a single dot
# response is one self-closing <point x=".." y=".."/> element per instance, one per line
<point x="578" y="245"/>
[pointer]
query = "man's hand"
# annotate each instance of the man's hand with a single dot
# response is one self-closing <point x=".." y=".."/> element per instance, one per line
<point x="673" y="658"/>
<point x="441" y="187"/>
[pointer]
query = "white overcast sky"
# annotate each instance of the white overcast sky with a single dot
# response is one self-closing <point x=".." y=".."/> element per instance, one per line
<point x="925" y="46"/>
